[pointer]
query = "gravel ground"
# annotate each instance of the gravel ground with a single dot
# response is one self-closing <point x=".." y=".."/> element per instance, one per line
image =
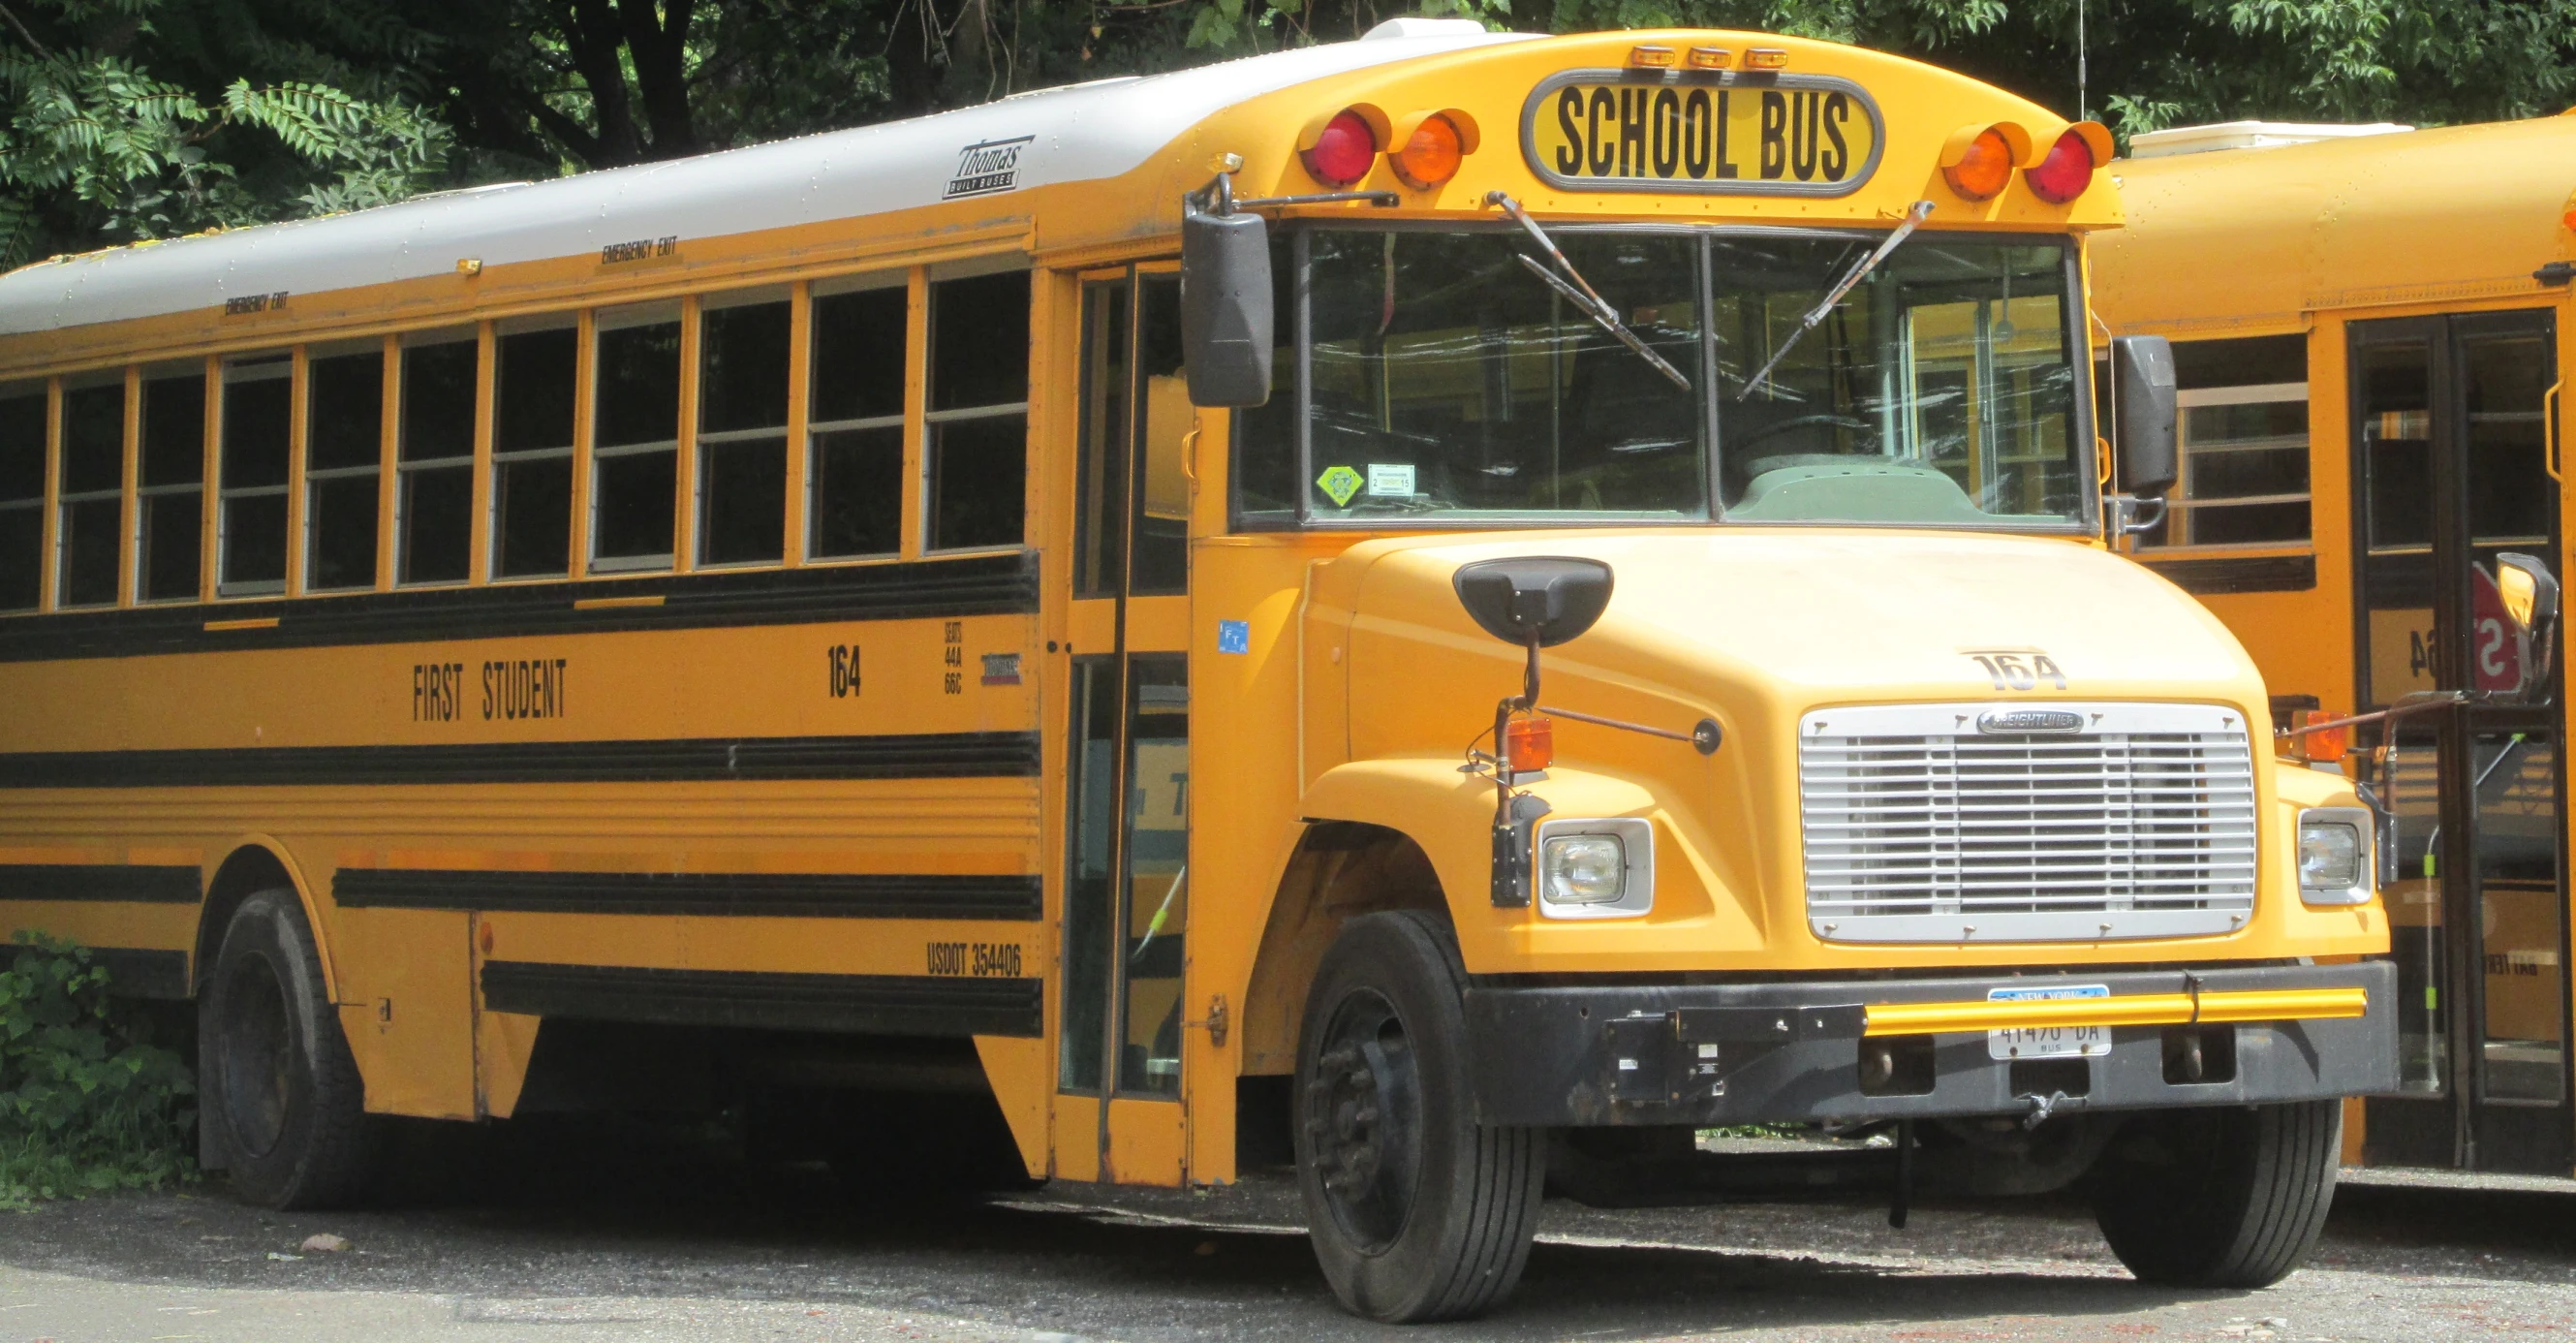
<point x="570" y="1238"/>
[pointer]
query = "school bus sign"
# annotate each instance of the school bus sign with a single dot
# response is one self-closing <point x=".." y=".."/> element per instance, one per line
<point x="1734" y="133"/>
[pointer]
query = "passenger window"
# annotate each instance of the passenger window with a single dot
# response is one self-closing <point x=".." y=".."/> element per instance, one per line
<point x="259" y="419"/>
<point x="742" y="430"/>
<point x="343" y="456"/>
<point x="637" y="445"/>
<point x="93" y="491"/>
<point x="170" y="519"/>
<point x="2244" y="440"/>
<point x="854" y="429"/>
<point x="22" y="498"/>
<point x="532" y="428"/>
<point x="978" y="421"/>
<point x="434" y="518"/>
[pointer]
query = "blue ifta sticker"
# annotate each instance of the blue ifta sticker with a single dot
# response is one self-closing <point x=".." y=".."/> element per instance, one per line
<point x="1234" y="636"/>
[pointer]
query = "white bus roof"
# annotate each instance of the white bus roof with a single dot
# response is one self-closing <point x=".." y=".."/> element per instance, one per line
<point x="2248" y="135"/>
<point x="1077" y="133"/>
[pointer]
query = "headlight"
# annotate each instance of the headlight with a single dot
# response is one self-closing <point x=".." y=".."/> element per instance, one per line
<point x="1596" y="869"/>
<point x="1583" y="869"/>
<point x="2334" y="856"/>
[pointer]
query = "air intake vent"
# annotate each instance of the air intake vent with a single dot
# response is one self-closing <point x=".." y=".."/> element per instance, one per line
<point x="1925" y="824"/>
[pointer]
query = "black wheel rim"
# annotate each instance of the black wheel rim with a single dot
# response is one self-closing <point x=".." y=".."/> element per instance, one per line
<point x="259" y="1056"/>
<point x="1364" y="1120"/>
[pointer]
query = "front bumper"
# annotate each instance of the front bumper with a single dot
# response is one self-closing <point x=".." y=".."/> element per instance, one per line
<point x="1707" y="1054"/>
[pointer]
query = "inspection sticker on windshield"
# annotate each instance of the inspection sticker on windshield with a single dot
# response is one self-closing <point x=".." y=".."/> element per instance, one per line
<point x="1390" y="481"/>
<point x="1339" y="483"/>
<point x="2048" y="1042"/>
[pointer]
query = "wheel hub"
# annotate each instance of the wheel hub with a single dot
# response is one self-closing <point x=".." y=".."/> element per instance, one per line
<point x="1362" y="1121"/>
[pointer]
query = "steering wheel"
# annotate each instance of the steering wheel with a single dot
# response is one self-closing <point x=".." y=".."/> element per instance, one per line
<point x="1736" y="446"/>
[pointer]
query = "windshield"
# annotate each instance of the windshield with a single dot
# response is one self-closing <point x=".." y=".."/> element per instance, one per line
<point x="1449" y="379"/>
<point x="1940" y="389"/>
<point x="1447" y="384"/>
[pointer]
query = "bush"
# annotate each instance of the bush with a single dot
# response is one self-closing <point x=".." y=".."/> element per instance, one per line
<point x="88" y="1102"/>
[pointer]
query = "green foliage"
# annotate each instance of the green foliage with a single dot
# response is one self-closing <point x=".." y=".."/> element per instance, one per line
<point x="98" y="145"/>
<point x="87" y="1101"/>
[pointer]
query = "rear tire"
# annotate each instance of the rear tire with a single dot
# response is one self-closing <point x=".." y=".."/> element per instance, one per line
<point x="1416" y="1211"/>
<point x="281" y="1101"/>
<point x="2230" y="1197"/>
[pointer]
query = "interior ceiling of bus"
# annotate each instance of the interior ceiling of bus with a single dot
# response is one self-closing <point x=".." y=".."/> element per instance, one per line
<point x="1077" y="133"/>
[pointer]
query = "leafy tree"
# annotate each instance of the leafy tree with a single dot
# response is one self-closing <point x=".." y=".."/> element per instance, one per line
<point x="99" y="145"/>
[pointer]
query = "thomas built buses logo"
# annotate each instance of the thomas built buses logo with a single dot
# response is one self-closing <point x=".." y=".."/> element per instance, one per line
<point x="986" y="168"/>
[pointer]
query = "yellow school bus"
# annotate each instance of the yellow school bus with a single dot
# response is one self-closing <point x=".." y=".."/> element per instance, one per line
<point x="2368" y="329"/>
<point x="1443" y="611"/>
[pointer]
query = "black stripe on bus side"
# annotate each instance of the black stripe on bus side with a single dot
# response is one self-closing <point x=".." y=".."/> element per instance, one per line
<point x="868" y="895"/>
<point x="917" y="589"/>
<point x="2248" y="573"/>
<point x="915" y="755"/>
<point x="867" y="1004"/>
<point x="138" y="972"/>
<point x="143" y="885"/>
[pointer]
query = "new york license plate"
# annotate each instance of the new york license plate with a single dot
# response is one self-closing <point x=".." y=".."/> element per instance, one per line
<point x="2048" y="1042"/>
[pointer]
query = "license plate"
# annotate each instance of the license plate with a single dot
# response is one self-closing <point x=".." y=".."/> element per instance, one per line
<point x="2048" y="1042"/>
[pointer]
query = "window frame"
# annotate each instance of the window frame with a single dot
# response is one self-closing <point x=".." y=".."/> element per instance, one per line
<point x="901" y="283"/>
<point x="136" y="539"/>
<point x="627" y="317"/>
<point x="311" y="477"/>
<point x="2180" y="505"/>
<point x="42" y="390"/>
<point x="922" y="327"/>
<point x="488" y="467"/>
<point x="287" y="365"/>
<point x="405" y="470"/>
<point x="693" y="415"/>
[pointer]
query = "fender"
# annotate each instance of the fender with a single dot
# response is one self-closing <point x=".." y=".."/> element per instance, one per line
<point x="1450" y="815"/>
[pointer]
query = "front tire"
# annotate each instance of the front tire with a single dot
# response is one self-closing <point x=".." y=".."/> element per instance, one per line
<point x="2231" y="1197"/>
<point x="282" y="1104"/>
<point x="1416" y="1211"/>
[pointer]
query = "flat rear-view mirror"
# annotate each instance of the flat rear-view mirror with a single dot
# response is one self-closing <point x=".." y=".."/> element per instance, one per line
<point x="2143" y="415"/>
<point x="1226" y="317"/>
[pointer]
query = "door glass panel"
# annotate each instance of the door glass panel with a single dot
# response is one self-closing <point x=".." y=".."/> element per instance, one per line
<point x="1157" y="915"/>
<point x="2415" y="917"/>
<point x="2522" y="1035"/>
<point x="2503" y="379"/>
<point x="1099" y="500"/>
<point x="1162" y="509"/>
<point x="1088" y="897"/>
<point x="2395" y="428"/>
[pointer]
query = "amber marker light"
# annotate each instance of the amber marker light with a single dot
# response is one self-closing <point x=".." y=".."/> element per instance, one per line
<point x="1529" y="744"/>
<point x="1984" y="168"/>
<point x="1653" y="58"/>
<point x="1765" y="58"/>
<point x="2068" y="169"/>
<point x="1710" y="58"/>
<point x="1343" y="152"/>
<point x="1431" y="150"/>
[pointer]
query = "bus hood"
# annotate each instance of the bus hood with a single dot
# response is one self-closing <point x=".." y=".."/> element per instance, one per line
<point x="1757" y="625"/>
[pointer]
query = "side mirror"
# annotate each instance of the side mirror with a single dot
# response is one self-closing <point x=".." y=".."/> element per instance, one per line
<point x="1226" y="317"/>
<point x="2142" y="390"/>
<point x="2529" y="595"/>
<point x="1534" y="602"/>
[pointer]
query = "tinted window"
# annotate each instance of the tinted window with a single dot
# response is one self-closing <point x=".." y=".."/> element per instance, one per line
<point x="856" y="466"/>
<point x="22" y="500"/>
<point x="978" y="431"/>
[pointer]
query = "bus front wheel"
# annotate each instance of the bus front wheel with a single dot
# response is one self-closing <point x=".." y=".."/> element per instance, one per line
<point x="2231" y="1197"/>
<point x="1416" y="1211"/>
<point x="281" y="1100"/>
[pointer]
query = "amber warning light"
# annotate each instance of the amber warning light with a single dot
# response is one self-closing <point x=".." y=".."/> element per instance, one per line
<point x="1529" y="744"/>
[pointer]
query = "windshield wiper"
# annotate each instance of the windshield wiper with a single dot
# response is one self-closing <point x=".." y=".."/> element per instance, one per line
<point x="1914" y="215"/>
<point x="1580" y="293"/>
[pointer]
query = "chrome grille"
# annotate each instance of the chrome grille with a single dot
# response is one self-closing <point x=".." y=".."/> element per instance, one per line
<point x="1919" y="827"/>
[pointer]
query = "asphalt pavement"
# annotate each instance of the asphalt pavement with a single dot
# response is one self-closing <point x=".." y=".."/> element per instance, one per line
<point x="574" y="1236"/>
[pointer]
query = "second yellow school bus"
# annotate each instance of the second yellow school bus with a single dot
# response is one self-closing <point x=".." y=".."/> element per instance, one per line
<point x="2369" y="326"/>
<point x="1640" y="656"/>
